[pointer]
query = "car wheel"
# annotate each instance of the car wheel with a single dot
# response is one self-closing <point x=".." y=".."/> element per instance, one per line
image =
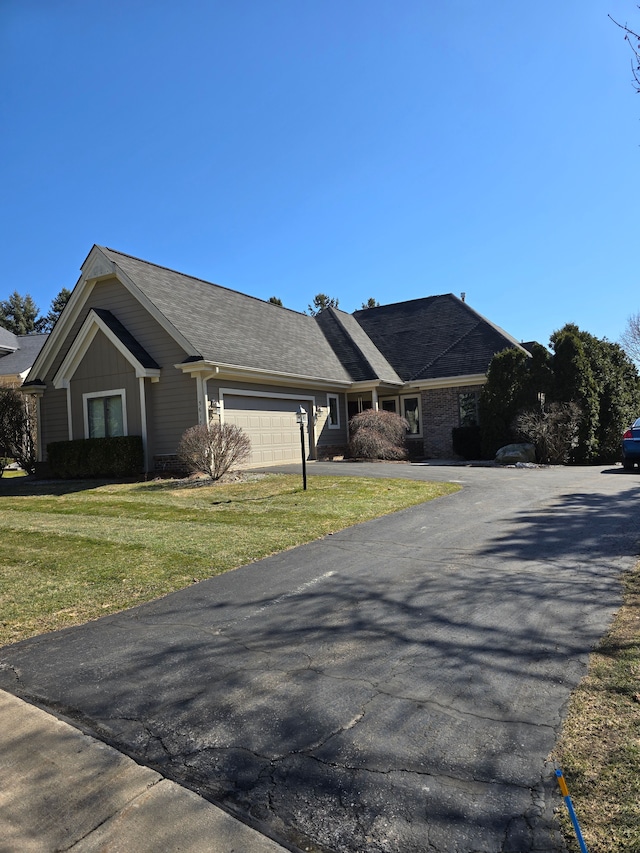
<point x="627" y="464"/>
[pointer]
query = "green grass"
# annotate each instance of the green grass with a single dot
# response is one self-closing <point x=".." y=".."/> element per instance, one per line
<point x="599" y="748"/>
<point x="72" y="551"/>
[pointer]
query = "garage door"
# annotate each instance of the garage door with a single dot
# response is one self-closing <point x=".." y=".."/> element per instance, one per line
<point x="270" y="424"/>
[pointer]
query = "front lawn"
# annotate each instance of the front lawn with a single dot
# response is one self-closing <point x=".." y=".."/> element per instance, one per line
<point x="72" y="551"/>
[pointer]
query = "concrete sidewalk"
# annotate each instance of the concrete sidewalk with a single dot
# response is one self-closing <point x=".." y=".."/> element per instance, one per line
<point x="63" y="790"/>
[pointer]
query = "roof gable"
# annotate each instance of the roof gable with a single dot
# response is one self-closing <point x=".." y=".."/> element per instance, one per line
<point x="104" y="321"/>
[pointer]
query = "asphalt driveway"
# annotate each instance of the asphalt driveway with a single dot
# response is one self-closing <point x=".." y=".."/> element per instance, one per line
<point x="396" y="686"/>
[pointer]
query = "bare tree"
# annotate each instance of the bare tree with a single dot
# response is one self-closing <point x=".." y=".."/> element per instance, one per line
<point x="553" y="430"/>
<point x="633" y="40"/>
<point x="213" y="449"/>
<point x="18" y="428"/>
<point x="630" y="338"/>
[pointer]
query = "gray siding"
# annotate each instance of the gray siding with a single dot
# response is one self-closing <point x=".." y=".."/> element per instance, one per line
<point x="53" y="421"/>
<point x="105" y="369"/>
<point x="171" y="402"/>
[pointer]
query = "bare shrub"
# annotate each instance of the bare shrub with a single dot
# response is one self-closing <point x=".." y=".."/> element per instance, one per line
<point x="18" y="428"/>
<point x="554" y="430"/>
<point x="214" y="449"/>
<point x="378" y="435"/>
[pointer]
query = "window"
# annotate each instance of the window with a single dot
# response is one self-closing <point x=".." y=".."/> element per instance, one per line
<point x="468" y="408"/>
<point x="411" y="411"/>
<point x="334" y="411"/>
<point x="389" y="405"/>
<point x="105" y="414"/>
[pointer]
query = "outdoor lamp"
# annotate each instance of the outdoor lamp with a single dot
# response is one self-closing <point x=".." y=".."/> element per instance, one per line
<point x="302" y="418"/>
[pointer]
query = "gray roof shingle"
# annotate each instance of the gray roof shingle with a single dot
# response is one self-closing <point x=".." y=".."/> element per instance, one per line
<point x="433" y="337"/>
<point x="228" y="327"/>
<point x="21" y="359"/>
<point x="421" y="339"/>
<point x="356" y="350"/>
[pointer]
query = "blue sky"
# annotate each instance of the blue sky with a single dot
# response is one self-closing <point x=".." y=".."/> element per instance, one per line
<point x="353" y="147"/>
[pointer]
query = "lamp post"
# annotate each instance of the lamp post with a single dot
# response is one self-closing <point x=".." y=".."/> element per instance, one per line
<point x="302" y="419"/>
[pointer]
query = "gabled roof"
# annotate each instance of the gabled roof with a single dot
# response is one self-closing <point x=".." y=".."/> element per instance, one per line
<point x="227" y="327"/>
<point x="434" y="337"/>
<point x="101" y="320"/>
<point x="355" y="349"/>
<point x="422" y="340"/>
<point x="20" y="359"/>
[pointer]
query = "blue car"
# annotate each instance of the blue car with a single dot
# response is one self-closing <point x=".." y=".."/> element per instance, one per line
<point x="631" y="447"/>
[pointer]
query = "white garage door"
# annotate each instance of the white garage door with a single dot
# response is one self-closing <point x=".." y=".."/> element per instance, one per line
<point x="270" y="424"/>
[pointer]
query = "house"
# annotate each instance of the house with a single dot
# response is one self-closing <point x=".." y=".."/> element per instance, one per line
<point x="143" y="350"/>
<point x="17" y="355"/>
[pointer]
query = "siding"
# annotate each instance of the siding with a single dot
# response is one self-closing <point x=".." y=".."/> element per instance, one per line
<point x="105" y="369"/>
<point x="53" y="422"/>
<point x="171" y="402"/>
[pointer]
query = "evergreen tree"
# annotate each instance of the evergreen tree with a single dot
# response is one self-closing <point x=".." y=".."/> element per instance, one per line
<point x="320" y="302"/>
<point x="594" y="375"/>
<point x="575" y="382"/>
<point x="19" y="314"/>
<point x="503" y="395"/>
<point x="56" y="308"/>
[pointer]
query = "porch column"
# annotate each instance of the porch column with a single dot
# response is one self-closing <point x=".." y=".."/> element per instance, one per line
<point x="203" y="399"/>
<point x="374" y="399"/>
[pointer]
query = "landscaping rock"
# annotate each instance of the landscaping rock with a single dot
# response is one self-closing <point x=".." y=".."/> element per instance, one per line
<point x="512" y="453"/>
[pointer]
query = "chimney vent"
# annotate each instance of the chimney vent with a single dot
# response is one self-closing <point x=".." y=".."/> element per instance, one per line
<point x="463" y="296"/>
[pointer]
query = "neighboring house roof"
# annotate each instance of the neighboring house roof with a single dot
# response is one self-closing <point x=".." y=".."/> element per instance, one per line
<point x="438" y="336"/>
<point x="231" y="328"/>
<point x="18" y="352"/>
<point x="8" y="341"/>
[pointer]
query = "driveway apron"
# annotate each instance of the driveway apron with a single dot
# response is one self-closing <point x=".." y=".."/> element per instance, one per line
<point x="397" y="686"/>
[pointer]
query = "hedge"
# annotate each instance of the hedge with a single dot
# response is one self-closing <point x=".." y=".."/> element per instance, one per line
<point x="116" y="457"/>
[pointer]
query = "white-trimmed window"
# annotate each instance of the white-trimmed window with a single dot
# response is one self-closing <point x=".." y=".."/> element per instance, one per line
<point x="105" y="413"/>
<point x="408" y="407"/>
<point x="411" y="411"/>
<point x="333" y="404"/>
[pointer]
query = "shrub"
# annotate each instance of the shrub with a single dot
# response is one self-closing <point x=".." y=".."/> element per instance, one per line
<point x="554" y="430"/>
<point x="120" y="456"/>
<point x="213" y="449"/>
<point x="467" y="441"/>
<point x="378" y="435"/>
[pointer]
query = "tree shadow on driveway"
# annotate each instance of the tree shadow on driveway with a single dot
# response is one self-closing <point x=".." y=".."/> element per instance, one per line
<point x="405" y="702"/>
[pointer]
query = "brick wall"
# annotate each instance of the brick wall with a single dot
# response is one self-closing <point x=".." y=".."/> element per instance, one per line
<point x="440" y="414"/>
